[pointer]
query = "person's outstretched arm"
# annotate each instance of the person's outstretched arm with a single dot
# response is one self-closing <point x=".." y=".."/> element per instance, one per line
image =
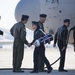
<point x="23" y="35"/>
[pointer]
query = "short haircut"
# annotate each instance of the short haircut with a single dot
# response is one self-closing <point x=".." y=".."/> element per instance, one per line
<point x="36" y="24"/>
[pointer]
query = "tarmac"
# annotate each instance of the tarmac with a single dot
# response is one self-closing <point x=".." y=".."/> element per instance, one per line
<point x="51" y="53"/>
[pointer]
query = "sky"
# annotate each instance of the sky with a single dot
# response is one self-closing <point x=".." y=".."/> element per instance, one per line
<point x="7" y="10"/>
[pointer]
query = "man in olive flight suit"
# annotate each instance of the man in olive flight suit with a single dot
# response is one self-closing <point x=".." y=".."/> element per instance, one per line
<point x="18" y="31"/>
<point x="41" y="21"/>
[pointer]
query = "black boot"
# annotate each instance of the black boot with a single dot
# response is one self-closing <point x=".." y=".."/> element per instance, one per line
<point x="34" y="71"/>
<point x="63" y="70"/>
<point x="50" y="70"/>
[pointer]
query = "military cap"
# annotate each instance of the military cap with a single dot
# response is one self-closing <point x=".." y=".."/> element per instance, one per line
<point x="35" y="23"/>
<point x="25" y="16"/>
<point x="43" y="15"/>
<point x="67" y="20"/>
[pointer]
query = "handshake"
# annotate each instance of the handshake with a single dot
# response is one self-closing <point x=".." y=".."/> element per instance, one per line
<point x="36" y="43"/>
<point x="29" y="44"/>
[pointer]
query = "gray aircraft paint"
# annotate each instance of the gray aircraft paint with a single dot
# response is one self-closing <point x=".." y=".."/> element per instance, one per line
<point x="57" y="10"/>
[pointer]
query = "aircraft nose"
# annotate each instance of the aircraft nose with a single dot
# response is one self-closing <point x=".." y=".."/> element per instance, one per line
<point x="28" y="7"/>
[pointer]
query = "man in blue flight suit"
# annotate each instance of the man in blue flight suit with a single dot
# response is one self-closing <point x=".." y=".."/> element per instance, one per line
<point x="61" y="38"/>
<point x="40" y="50"/>
<point x="41" y="21"/>
<point x="18" y="31"/>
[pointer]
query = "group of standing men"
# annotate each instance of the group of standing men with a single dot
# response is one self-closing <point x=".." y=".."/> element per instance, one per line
<point x="18" y="31"/>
